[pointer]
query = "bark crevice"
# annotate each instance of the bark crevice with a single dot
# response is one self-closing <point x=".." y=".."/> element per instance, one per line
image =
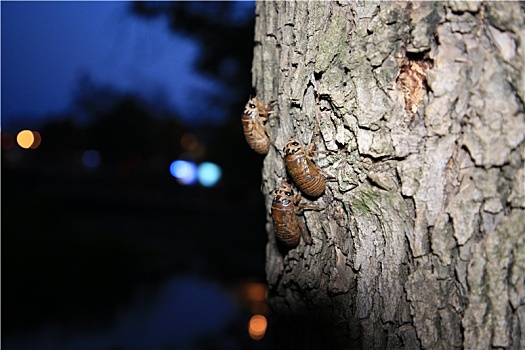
<point x="426" y="132"/>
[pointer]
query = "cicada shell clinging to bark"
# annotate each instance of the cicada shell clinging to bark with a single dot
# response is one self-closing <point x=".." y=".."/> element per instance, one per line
<point x="302" y="170"/>
<point x="288" y="227"/>
<point x="254" y="120"/>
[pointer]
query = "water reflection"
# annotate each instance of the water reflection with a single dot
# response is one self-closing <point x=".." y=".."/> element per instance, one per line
<point x="177" y="314"/>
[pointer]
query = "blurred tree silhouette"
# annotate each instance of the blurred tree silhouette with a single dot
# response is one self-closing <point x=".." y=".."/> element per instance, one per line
<point x="225" y="31"/>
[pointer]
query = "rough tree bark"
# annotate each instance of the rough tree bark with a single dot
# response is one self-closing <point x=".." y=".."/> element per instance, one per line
<point x="421" y="242"/>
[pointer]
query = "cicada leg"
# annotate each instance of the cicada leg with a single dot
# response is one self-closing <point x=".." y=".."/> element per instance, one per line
<point x="326" y="175"/>
<point x="299" y="207"/>
<point x="308" y="207"/>
<point x="304" y="232"/>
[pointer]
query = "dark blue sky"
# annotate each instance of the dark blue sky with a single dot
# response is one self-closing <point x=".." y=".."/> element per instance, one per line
<point x="48" y="46"/>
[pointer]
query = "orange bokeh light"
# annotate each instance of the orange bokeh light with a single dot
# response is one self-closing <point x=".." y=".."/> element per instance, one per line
<point x="253" y="296"/>
<point x="28" y="139"/>
<point x="257" y="327"/>
<point x="37" y="140"/>
<point x="189" y="141"/>
<point x="256" y="292"/>
<point x="25" y="138"/>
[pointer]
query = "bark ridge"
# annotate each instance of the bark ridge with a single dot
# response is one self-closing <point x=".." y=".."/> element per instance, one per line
<point x="421" y="243"/>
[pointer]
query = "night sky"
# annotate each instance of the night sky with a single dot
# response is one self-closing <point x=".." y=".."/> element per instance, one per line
<point x="48" y="46"/>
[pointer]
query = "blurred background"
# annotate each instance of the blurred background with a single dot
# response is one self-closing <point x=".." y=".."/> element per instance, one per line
<point x="132" y="216"/>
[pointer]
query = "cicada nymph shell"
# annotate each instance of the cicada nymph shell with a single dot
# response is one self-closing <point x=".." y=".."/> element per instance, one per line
<point x="254" y="120"/>
<point x="288" y="228"/>
<point x="302" y="170"/>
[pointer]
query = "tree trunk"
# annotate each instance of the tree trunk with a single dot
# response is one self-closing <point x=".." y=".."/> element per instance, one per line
<point x="421" y="240"/>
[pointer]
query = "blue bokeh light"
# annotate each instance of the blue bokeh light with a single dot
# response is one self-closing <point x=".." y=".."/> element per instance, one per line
<point x="91" y="159"/>
<point x="209" y="174"/>
<point x="185" y="172"/>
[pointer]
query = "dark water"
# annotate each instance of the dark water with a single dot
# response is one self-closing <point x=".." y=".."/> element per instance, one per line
<point x="177" y="314"/>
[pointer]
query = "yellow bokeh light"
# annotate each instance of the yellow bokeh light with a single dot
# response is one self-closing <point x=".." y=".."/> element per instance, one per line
<point x="25" y="138"/>
<point x="257" y="327"/>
